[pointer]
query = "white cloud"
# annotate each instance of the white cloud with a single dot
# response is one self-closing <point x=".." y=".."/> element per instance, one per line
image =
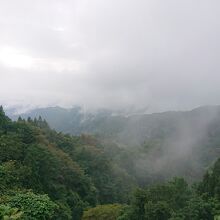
<point x="14" y="58"/>
<point x="113" y="53"/>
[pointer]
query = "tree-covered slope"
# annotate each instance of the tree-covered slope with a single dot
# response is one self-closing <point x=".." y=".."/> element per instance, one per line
<point x="173" y="200"/>
<point x="130" y="129"/>
<point x="45" y="174"/>
<point x="151" y="147"/>
<point x="73" y="172"/>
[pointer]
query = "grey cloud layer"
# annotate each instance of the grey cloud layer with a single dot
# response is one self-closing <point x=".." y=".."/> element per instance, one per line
<point x="156" y="54"/>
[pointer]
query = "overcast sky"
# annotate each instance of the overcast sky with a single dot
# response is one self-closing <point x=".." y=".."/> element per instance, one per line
<point x="155" y="54"/>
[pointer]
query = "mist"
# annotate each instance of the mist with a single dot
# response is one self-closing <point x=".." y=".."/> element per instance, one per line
<point x="152" y="147"/>
<point x="126" y="57"/>
<point x="109" y="109"/>
<point x="176" y="144"/>
<point x="151" y="55"/>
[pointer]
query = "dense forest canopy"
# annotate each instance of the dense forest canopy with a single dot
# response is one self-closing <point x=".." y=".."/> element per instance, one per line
<point x="111" y="110"/>
<point x="74" y="172"/>
<point x="152" y="147"/>
<point x="46" y="174"/>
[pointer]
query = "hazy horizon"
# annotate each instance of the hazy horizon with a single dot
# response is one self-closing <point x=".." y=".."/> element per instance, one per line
<point x="143" y="55"/>
<point x="15" y="111"/>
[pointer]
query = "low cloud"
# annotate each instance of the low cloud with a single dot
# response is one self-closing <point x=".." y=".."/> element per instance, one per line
<point x="113" y="54"/>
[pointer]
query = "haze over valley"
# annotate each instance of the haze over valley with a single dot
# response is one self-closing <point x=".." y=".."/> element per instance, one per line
<point x="109" y="110"/>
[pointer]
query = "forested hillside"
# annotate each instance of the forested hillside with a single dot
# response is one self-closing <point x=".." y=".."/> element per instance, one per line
<point x="49" y="175"/>
<point x="152" y="147"/>
<point x="126" y="129"/>
<point x="74" y="172"/>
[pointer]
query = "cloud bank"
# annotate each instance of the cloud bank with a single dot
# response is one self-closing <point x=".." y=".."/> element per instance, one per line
<point x="153" y="54"/>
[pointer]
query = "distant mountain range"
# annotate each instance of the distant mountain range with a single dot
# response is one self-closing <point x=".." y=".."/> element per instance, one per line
<point x="135" y="128"/>
<point x="182" y="142"/>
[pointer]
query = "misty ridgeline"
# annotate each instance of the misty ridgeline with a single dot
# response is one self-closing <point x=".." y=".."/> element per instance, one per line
<point x="134" y="150"/>
<point x="106" y="165"/>
<point x="162" y="145"/>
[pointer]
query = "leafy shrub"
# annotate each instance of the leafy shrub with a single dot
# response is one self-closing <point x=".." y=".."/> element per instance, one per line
<point x="103" y="212"/>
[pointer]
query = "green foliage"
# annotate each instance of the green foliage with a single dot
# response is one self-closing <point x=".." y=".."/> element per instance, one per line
<point x="159" y="210"/>
<point x="8" y="213"/>
<point x="113" y="184"/>
<point x="49" y="175"/>
<point x="73" y="171"/>
<point x="199" y="209"/>
<point x="103" y="212"/>
<point x="5" y="122"/>
<point x="174" y="201"/>
<point x="211" y="182"/>
<point x="11" y="148"/>
<point x="145" y="134"/>
<point x="217" y="217"/>
<point x="12" y="175"/>
<point x="33" y="206"/>
<point x="161" y="199"/>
